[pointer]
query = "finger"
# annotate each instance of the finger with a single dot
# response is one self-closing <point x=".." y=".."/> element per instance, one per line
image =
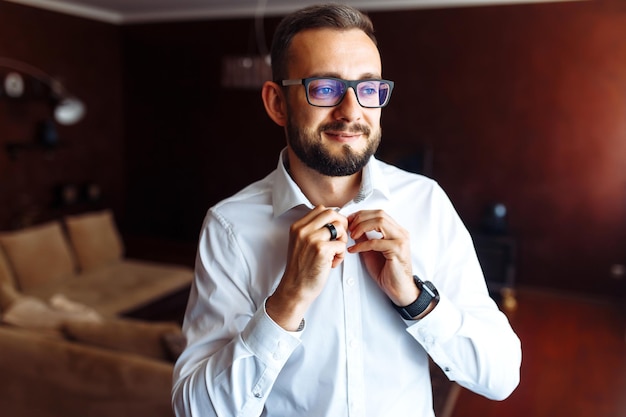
<point x="311" y="216"/>
<point x="375" y="230"/>
<point x="372" y="245"/>
<point x="335" y="233"/>
<point x="338" y="259"/>
<point x="330" y="225"/>
<point x="332" y="229"/>
<point x="375" y="224"/>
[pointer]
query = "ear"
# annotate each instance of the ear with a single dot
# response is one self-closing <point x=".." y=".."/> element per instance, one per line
<point x="274" y="101"/>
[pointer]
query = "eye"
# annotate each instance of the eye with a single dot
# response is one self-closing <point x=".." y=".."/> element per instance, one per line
<point x="367" y="89"/>
<point x="325" y="89"/>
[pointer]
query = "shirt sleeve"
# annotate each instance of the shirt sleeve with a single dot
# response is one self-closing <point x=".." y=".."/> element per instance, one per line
<point x="235" y="351"/>
<point x="466" y="334"/>
<point x="478" y="350"/>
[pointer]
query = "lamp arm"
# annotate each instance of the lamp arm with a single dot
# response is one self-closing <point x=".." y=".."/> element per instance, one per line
<point x="55" y="85"/>
<point x="69" y="109"/>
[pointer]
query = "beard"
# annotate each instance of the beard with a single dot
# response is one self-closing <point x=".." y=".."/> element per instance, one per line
<point x="308" y="147"/>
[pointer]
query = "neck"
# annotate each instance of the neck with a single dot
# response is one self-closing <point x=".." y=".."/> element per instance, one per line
<point x="322" y="189"/>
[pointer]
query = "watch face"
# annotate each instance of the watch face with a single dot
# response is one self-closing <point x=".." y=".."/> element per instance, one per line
<point x="14" y="85"/>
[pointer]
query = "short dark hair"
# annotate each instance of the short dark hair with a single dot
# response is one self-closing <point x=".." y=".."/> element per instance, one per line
<point x="333" y="16"/>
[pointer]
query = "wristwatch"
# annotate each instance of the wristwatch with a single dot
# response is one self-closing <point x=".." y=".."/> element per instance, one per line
<point x="428" y="292"/>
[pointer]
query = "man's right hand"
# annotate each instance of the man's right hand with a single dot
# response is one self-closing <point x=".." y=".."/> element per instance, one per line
<point x="310" y="257"/>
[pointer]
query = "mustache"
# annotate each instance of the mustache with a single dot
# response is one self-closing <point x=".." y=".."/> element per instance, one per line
<point x="340" y="126"/>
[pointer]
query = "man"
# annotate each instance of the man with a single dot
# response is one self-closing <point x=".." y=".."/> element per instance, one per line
<point x="321" y="289"/>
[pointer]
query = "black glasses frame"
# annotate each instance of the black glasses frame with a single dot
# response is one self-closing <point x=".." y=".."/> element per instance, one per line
<point x="347" y="84"/>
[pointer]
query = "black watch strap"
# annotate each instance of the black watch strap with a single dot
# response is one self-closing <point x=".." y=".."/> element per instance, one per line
<point x="428" y="292"/>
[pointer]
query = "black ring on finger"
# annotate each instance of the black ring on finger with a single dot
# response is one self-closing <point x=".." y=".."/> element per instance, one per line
<point x="333" y="231"/>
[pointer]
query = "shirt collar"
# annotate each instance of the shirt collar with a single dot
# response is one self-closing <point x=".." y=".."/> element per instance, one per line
<point x="286" y="194"/>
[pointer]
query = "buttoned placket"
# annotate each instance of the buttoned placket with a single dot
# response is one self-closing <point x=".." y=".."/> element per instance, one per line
<point x="353" y="334"/>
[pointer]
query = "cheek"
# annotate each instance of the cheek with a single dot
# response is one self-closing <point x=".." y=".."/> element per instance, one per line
<point x="310" y="118"/>
<point x="372" y="118"/>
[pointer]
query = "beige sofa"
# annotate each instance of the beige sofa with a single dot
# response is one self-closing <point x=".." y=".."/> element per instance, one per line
<point x="82" y="258"/>
<point x="65" y="349"/>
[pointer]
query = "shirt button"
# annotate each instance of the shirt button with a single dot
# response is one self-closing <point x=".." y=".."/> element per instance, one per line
<point x="446" y="369"/>
<point x="428" y="339"/>
<point x="350" y="281"/>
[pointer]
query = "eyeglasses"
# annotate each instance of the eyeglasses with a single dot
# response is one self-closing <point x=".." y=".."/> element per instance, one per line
<point x="329" y="92"/>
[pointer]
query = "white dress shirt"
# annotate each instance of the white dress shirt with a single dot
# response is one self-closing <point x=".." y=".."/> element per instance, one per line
<point x="356" y="356"/>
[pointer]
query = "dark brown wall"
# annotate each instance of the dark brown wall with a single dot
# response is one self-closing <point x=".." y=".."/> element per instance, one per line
<point x="520" y="104"/>
<point x="85" y="56"/>
<point x="523" y="105"/>
<point x="191" y="141"/>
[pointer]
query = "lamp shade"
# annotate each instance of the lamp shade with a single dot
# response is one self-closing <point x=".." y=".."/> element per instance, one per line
<point x="69" y="110"/>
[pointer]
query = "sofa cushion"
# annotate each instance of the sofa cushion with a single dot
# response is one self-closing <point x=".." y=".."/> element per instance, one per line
<point x="95" y="239"/>
<point x="38" y="255"/>
<point x="123" y="286"/>
<point x="35" y="314"/>
<point x="128" y="335"/>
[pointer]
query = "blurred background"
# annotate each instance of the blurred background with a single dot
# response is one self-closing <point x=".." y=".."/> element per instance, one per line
<point x="517" y="109"/>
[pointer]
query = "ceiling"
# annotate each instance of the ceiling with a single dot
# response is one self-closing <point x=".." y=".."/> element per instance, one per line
<point x="145" y="11"/>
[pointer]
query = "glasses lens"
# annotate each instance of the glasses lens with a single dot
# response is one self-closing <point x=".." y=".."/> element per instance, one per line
<point x="373" y="93"/>
<point x="328" y="92"/>
<point x="325" y="92"/>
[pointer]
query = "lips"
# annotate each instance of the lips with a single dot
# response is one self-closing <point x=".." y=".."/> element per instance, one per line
<point x="345" y="134"/>
<point x="344" y="137"/>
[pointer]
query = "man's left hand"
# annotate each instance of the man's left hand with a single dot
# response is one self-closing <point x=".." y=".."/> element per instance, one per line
<point x="387" y="259"/>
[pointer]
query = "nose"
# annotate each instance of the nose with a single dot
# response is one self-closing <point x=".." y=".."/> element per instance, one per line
<point x="349" y="109"/>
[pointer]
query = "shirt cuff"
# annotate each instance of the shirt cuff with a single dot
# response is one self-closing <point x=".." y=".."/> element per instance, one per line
<point x="268" y="341"/>
<point x="438" y="326"/>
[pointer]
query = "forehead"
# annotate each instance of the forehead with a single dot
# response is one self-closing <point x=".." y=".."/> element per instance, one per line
<point x="347" y="54"/>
